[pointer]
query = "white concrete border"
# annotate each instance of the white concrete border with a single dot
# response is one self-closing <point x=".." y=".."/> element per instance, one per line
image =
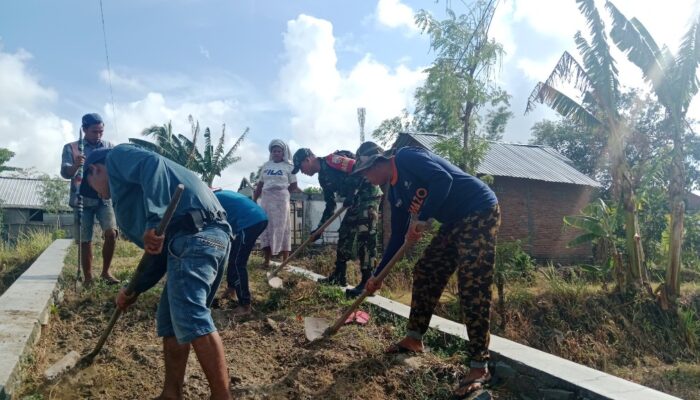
<point x="24" y="307"/>
<point x="567" y="375"/>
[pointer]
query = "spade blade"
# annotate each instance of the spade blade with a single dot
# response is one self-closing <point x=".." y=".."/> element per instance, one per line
<point x="315" y="327"/>
<point x="275" y="282"/>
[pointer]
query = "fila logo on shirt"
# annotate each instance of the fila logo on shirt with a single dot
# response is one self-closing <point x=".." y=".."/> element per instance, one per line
<point x="418" y="199"/>
<point x="272" y="172"/>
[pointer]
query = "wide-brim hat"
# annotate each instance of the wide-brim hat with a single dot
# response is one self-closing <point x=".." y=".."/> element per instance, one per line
<point x="366" y="162"/>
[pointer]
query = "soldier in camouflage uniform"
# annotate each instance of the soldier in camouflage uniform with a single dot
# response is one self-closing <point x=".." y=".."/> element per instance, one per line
<point x="360" y="221"/>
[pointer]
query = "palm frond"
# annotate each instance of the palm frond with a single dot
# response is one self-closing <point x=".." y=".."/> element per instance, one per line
<point x="640" y="48"/>
<point x="562" y="104"/>
<point x="583" y="239"/>
<point x="569" y="70"/>
<point x="604" y="77"/>
<point x="228" y="159"/>
<point x="687" y="61"/>
<point x="146" y="145"/>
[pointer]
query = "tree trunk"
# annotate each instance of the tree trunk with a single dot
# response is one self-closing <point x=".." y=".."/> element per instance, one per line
<point x="465" y="136"/>
<point x="676" y="191"/>
<point x="623" y="190"/>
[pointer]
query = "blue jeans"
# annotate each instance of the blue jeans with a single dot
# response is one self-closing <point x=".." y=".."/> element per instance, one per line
<point x="237" y="274"/>
<point x="196" y="263"/>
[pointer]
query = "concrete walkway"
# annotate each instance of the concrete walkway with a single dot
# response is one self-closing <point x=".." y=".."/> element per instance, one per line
<point x="24" y="307"/>
<point x="532" y="373"/>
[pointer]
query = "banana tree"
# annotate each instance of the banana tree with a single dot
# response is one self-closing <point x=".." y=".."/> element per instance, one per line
<point x="595" y="80"/>
<point x="598" y="222"/>
<point x="674" y="80"/>
<point x="213" y="161"/>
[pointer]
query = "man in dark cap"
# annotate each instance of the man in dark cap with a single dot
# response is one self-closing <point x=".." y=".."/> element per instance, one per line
<point x="193" y="251"/>
<point x="72" y="160"/>
<point x="424" y="186"/>
<point x="360" y="221"/>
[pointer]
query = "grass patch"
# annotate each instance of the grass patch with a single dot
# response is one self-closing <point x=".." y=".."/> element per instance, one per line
<point x="16" y="257"/>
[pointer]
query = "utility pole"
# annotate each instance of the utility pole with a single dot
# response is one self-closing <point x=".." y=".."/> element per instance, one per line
<point x="361" y="120"/>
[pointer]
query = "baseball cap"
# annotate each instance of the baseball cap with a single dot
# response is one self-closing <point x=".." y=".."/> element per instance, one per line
<point x="92" y="119"/>
<point x="299" y="157"/>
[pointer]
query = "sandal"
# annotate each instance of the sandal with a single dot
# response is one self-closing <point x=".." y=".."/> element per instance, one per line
<point x="483" y="381"/>
<point x="398" y="348"/>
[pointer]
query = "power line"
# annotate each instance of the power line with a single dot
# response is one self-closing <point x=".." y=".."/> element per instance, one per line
<point x="109" y="70"/>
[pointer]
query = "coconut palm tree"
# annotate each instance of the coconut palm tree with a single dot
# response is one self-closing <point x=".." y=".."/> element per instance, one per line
<point x="184" y="151"/>
<point x="595" y="80"/>
<point x="216" y="160"/>
<point x="674" y="80"/>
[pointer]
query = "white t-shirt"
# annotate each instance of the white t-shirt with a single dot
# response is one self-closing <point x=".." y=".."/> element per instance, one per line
<point x="277" y="176"/>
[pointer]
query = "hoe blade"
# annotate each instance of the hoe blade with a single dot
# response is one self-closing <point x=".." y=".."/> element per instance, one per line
<point x="315" y="327"/>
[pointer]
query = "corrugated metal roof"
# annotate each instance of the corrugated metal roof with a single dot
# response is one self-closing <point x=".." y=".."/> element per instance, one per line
<point x="20" y="192"/>
<point x="535" y="162"/>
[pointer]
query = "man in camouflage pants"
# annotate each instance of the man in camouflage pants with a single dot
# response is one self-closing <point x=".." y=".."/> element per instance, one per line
<point x="360" y="221"/>
<point x="424" y="186"/>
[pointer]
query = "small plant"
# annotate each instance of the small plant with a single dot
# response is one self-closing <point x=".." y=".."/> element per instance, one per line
<point x="512" y="264"/>
<point x="689" y="327"/>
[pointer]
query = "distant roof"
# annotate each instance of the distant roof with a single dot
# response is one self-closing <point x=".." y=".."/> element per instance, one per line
<point x="536" y="162"/>
<point x="20" y="193"/>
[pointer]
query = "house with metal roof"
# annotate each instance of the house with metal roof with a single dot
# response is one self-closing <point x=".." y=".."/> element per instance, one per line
<point x="22" y="208"/>
<point x="536" y="188"/>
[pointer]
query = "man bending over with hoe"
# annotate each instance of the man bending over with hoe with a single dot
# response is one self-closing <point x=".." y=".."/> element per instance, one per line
<point x="193" y="251"/>
<point x="424" y="186"/>
<point x="360" y="220"/>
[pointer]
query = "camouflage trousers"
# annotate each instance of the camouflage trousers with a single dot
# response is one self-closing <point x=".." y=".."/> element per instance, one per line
<point x="468" y="246"/>
<point x="358" y="229"/>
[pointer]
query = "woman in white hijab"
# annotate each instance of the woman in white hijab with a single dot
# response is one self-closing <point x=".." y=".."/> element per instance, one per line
<point x="273" y="188"/>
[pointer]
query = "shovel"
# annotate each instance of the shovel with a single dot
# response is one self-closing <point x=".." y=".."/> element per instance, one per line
<point x="73" y="358"/>
<point x="318" y="328"/>
<point x="276" y="282"/>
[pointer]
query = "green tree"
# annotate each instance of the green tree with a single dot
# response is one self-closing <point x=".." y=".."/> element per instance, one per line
<point x="674" y="80"/>
<point x="459" y="94"/>
<point x="54" y="194"/>
<point x="5" y="156"/>
<point x="389" y="129"/>
<point x="596" y="80"/>
<point x="585" y="147"/>
<point x="184" y="150"/>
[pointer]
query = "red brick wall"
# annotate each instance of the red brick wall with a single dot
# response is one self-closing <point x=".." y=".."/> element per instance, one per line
<point x="533" y="211"/>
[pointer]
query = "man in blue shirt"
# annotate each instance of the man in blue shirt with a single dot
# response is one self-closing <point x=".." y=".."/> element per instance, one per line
<point x="72" y="160"/>
<point x="193" y="252"/>
<point x="424" y="186"/>
<point x="248" y="220"/>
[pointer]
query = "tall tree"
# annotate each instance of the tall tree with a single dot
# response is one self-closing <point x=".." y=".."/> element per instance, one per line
<point x="184" y="150"/>
<point x="674" y="80"/>
<point x="54" y="194"/>
<point x="596" y="80"/>
<point x="460" y="83"/>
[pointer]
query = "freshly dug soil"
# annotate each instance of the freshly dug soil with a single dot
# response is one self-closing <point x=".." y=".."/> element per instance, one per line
<point x="268" y="355"/>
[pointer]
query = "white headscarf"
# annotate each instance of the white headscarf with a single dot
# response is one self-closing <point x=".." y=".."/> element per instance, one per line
<point x="286" y="155"/>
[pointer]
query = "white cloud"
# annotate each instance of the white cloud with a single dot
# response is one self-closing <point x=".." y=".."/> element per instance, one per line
<point x="120" y="81"/>
<point x="394" y="14"/>
<point x="27" y="125"/>
<point x="324" y="101"/>
<point x="501" y="29"/>
<point x="537" y="70"/>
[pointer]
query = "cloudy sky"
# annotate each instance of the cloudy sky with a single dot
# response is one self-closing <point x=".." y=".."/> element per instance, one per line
<point x="295" y="70"/>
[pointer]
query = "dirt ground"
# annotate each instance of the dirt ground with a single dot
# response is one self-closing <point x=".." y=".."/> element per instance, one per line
<point x="268" y="355"/>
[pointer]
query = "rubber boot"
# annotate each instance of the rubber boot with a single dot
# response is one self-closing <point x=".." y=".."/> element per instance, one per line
<point x="337" y="277"/>
<point x="357" y="290"/>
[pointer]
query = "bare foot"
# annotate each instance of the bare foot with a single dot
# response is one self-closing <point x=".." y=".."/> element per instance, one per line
<point x="242" y="311"/>
<point x="406" y="345"/>
<point x="109" y="278"/>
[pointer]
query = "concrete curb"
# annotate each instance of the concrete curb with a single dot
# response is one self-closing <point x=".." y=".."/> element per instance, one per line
<point x="534" y="374"/>
<point x="24" y="307"/>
